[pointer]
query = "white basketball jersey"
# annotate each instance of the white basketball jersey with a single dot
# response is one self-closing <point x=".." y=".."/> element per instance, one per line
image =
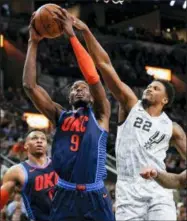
<point x="142" y="141"/>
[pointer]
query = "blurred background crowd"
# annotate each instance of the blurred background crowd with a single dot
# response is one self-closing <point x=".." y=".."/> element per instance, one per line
<point x="136" y="35"/>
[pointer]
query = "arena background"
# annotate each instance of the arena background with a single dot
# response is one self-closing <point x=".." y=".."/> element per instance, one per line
<point x="143" y="39"/>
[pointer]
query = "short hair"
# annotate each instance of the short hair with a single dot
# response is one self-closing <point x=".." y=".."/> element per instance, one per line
<point x="170" y="91"/>
<point x="76" y="82"/>
<point x="32" y="130"/>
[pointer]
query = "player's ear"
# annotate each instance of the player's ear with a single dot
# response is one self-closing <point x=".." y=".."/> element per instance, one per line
<point x="165" y="100"/>
<point x="26" y="146"/>
<point x="70" y="99"/>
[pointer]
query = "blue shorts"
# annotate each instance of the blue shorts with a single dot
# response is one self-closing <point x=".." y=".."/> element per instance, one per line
<point x="79" y="204"/>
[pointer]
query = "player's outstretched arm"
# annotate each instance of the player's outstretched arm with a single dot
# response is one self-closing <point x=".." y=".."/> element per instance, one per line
<point x="88" y="69"/>
<point x="37" y="94"/>
<point x="179" y="140"/>
<point x="121" y="91"/>
<point x="11" y="179"/>
<point x="167" y="180"/>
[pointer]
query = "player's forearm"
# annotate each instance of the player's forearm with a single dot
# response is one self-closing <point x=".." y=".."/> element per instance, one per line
<point x="98" y="54"/>
<point x="29" y="72"/>
<point x="103" y="63"/>
<point x="168" y="180"/>
<point x="85" y="62"/>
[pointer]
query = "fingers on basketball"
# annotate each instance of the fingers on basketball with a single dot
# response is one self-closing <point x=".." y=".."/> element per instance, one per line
<point x="58" y="16"/>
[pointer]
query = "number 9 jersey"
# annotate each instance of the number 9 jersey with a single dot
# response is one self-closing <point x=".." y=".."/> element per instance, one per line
<point x="79" y="147"/>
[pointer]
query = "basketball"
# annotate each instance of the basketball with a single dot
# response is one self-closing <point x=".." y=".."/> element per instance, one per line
<point x="44" y="22"/>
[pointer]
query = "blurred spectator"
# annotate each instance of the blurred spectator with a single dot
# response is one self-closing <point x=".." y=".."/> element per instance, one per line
<point x="3" y="216"/>
<point x="182" y="213"/>
<point x="3" y="169"/>
<point x="9" y="94"/>
<point x="16" y="207"/>
<point x="18" y="152"/>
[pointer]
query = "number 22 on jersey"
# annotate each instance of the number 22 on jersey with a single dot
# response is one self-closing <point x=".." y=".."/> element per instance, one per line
<point x="140" y="123"/>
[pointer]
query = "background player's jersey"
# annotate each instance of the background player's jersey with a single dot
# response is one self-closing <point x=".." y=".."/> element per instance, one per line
<point x="142" y="140"/>
<point x="79" y="147"/>
<point x="37" y="191"/>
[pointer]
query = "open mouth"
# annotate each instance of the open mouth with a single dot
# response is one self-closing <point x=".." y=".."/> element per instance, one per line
<point x="79" y="96"/>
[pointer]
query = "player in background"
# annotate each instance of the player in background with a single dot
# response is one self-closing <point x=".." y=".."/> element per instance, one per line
<point x="79" y="146"/>
<point x="143" y="137"/>
<point x="35" y="178"/>
<point x="167" y="180"/>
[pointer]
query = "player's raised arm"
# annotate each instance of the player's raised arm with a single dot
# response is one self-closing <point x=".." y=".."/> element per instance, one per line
<point x="10" y="180"/>
<point x="121" y="91"/>
<point x="36" y="93"/>
<point x="88" y="69"/>
<point x="179" y="140"/>
<point x="167" y="180"/>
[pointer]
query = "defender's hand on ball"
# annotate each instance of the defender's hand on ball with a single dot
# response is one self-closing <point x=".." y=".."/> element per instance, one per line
<point x="33" y="35"/>
<point x="149" y="173"/>
<point x="80" y="25"/>
<point x="66" y="22"/>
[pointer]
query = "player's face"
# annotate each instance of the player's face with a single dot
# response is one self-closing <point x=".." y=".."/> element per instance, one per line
<point x="155" y="93"/>
<point x="80" y="94"/>
<point x="17" y="197"/>
<point x="36" y="143"/>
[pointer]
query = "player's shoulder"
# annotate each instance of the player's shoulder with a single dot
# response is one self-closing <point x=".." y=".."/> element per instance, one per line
<point x="13" y="173"/>
<point x="175" y="124"/>
<point x="177" y="129"/>
<point x="137" y="106"/>
<point x="166" y="116"/>
<point x="15" y="169"/>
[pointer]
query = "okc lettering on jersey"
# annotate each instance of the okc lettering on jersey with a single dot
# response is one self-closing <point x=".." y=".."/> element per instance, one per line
<point x="74" y="124"/>
<point x="45" y="181"/>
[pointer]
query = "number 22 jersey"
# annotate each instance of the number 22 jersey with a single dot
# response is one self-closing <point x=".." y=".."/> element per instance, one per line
<point x="142" y="140"/>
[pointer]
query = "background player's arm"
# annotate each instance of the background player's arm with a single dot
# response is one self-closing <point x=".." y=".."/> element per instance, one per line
<point x="12" y="179"/>
<point x="88" y="69"/>
<point x="101" y="105"/>
<point x="121" y="91"/>
<point x="36" y="93"/>
<point x="167" y="180"/>
<point x="179" y="140"/>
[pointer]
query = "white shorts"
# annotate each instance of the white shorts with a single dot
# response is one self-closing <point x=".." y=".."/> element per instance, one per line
<point x="142" y="200"/>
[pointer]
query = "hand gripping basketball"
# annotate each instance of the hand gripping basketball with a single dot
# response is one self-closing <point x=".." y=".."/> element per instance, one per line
<point x="45" y="23"/>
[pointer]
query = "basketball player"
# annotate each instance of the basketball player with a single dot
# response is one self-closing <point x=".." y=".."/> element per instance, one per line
<point x="143" y="136"/>
<point x="79" y="146"/>
<point x="167" y="180"/>
<point x="34" y="178"/>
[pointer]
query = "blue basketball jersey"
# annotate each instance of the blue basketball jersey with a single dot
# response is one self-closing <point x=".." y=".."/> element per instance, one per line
<point x="79" y="147"/>
<point x="38" y="188"/>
